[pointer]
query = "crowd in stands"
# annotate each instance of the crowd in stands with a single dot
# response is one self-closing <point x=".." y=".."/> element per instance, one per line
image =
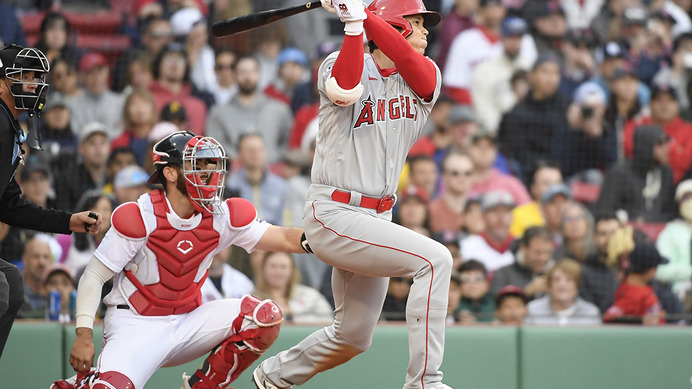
<point x="556" y="165"/>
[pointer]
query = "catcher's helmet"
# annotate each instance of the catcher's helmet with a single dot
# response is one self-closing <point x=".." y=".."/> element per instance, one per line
<point x="16" y="63"/>
<point x="194" y="154"/>
<point x="393" y="12"/>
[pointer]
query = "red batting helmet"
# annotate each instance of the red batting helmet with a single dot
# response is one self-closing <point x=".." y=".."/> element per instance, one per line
<point x="393" y="12"/>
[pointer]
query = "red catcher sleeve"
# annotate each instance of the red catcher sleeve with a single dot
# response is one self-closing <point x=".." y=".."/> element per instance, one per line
<point x="348" y="67"/>
<point x="417" y="70"/>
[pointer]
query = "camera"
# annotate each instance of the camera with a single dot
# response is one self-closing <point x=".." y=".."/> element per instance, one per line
<point x="586" y="112"/>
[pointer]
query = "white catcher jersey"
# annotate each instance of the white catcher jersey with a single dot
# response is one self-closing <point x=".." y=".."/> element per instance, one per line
<point x="119" y="252"/>
<point x="388" y="119"/>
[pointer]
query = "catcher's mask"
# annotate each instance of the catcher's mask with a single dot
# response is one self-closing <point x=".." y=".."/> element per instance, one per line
<point x="204" y="164"/>
<point x="28" y="75"/>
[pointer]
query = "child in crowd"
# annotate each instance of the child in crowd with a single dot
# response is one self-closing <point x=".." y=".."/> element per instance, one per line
<point x="476" y="303"/>
<point x="510" y="306"/>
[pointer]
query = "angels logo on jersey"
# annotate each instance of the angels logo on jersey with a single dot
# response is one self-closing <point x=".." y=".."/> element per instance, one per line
<point x="396" y="108"/>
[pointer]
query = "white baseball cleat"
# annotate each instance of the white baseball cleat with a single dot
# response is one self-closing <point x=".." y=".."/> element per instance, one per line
<point x="261" y="381"/>
<point x="442" y="386"/>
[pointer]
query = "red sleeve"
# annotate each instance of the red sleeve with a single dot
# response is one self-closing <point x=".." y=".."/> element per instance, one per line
<point x="417" y="70"/>
<point x="348" y="67"/>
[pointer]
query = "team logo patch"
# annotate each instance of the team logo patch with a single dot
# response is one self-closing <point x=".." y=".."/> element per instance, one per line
<point x="184" y="246"/>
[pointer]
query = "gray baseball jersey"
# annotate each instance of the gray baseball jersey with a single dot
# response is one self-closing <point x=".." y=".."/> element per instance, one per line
<point x="361" y="149"/>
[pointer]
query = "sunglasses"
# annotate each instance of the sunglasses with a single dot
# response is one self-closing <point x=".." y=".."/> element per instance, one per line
<point x="456" y="173"/>
<point x="472" y="278"/>
<point x="223" y="66"/>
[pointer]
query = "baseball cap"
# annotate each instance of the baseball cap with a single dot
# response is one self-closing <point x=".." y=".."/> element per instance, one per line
<point x="514" y="26"/>
<point x="483" y="134"/>
<point x="580" y="36"/>
<point x="635" y="16"/>
<point x="292" y="54"/>
<point x="683" y="188"/>
<point x="173" y="111"/>
<point x="161" y="130"/>
<point x="7" y="55"/>
<point x="554" y="190"/>
<point x="184" y="19"/>
<point x="58" y="268"/>
<point x="497" y="198"/>
<point x="92" y="128"/>
<point x="324" y="49"/>
<point x="645" y="256"/>
<point x="91" y="60"/>
<point x="461" y="113"/>
<point x="611" y="50"/>
<point x="549" y="7"/>
<point x="510" y="291"/>
<point x="130" y="177"/>
<point x="415" y="192"/>
<point x="589" y="92"/>
<point x="31" y="168"/>
<point x="544" y="58"/>
<point x="657" y="89"/>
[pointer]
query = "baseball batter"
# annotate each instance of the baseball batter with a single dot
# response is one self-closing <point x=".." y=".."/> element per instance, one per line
<point x="372" y="108"/>
<point x="159" y="250"/>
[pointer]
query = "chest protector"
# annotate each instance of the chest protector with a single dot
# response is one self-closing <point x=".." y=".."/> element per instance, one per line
<point x="178" y="256"/>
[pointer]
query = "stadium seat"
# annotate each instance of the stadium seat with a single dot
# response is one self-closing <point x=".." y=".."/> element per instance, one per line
<point x="101" y="23"/>
<point x="650" y="229"/>
<point x="584" y="192"/>
<point x="111" y="46"/>
<point x="31" y="22"/>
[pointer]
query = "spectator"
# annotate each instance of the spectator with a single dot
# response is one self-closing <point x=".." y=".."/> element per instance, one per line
<point x="562" y="305"/>
<point x="577" y="233"/>
<point x="224" y="281"/>
<point x="447" y="211"/>
<point x="118" y="159"/>
<point x="527" y="132"/>
<point x="612" y="56"/>
<point x="267" y="43"/>
<point x="579" y="63"/>
<point x="624" y="104"/>
<point x="11" y="30"/>
<point x="475" y="45"/>
<point x="225" y="86"/>
<point x="130" y="183"/>
<point x="40" y="253"/>
<point x="510" y="306"/>
<point x="553" y="203"/>
<point x="174" y="113"/>
<point x="309" y="29"/>
<point x="279" y="281"/>
<point x="251" y="112"/>
<point x="305" y="94"/>
<point x="483" y="153"/>
<point x="665" y="113"/>
<point x="533" y="259"/>
<point x="598" y="280"/>
<point x="461" y="127"/>
<point x="474" y="224"/>
<point x="459" y="19"/>
<point x="172" y="82"/>
<point x="674" y="243"/>
<point x="139" y="117"/>
<point x="82" y="245"/>
<point x="491" y="90"/>
<point x="189" y="27"/>
<point x="650" y="48"/>
<point x="155" y="34"/>
<point x="643" y="186"/>
<point x="57" y="134"/>
<point x="451" y="241"/>
<point x="293" y="70"/>
<point x="394" y="307"/>
<point x="56" y="39"/>
<point x="413" y="212"/>
<point x="589" y="145"/>
<point x="97" y="103"/>
<point x="491" y="247"/>
<point x="678" y="74"/>
<point x="477" y="304"/>
<point x="254" y="182"/>
<point x="423" y="174"/>
<point x="635" y="300"/>
<point x="545" y="175"/>
<point x="548" y="26"/>
<point x="454" y="297"/>
<point x="61" y="279"/>
<point x="64" y="80"/>
<point x="139" y="74"/>
<point x="90" y="172"/>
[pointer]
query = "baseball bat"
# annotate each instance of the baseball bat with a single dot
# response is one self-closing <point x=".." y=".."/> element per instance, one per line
<point x="248" y="22"/>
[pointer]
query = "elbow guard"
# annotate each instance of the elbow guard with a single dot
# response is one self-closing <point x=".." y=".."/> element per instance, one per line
<point x="340" y="96"/>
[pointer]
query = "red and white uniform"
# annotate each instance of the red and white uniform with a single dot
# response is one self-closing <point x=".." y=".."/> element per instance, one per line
<point x="155" y="317"/>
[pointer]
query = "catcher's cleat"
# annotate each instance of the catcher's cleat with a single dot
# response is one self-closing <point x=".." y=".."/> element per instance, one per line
<point x="186" y="385"/>
<point x="261" y="381"/>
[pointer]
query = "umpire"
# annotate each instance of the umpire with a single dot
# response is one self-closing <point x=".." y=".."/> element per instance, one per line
<point x="23" y="89"/>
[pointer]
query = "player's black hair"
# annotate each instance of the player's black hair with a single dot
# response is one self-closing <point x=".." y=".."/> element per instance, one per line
<point x="372" y="46"/>
<point x="473" y="265"/>
<point x="534" y="232"/>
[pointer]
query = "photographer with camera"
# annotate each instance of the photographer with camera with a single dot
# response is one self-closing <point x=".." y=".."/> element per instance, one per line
<point x="589" y="144"/>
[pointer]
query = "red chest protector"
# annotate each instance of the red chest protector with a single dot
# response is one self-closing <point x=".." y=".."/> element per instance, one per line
<point x="178" y="256"/>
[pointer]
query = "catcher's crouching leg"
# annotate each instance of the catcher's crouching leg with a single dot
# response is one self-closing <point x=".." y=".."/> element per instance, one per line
<point x="255" y="328"/>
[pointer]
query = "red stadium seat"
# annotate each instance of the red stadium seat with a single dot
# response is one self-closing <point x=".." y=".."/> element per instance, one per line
<point x="111" y="46"/>
<point x="650" y="229"/>
<point x="31" y="21"/>
<point x="102" y="22"/>
<point x="584" y="192"/>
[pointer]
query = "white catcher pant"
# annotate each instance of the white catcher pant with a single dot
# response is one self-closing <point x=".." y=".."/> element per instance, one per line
<point x="365" y="249"/>
<point x="137" y="345"/>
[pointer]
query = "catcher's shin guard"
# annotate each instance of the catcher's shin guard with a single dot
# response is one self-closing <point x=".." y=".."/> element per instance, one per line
<point x="256" y="328"/>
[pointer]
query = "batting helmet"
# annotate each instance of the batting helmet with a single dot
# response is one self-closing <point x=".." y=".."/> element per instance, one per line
<point x="194" y="154"/>
<point x="393" y="12"/>
<point x="16" y="64"/>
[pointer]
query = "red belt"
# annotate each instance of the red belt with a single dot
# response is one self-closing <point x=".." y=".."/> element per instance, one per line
<point x="380" y="204"/>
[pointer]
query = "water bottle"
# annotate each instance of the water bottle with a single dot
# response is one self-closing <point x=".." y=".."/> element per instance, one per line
<point x="54" y="305"/>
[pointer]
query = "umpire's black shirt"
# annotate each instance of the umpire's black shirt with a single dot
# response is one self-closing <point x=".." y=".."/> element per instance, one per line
<point x="14" y="210"/>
